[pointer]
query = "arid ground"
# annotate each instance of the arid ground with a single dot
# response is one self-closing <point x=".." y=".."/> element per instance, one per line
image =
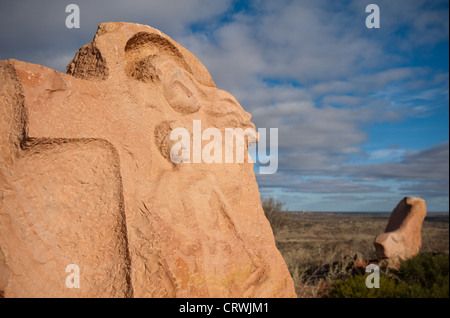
<point x="311" y="239"/>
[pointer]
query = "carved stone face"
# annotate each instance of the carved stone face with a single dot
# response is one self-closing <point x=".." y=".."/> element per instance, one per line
<point x="85" y="179"/>
<point x="156" y="61"/>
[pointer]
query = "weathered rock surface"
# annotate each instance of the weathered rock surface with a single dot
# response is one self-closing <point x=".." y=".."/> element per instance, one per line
<point x="85" y="179"/>
<point x="402" y="238"/>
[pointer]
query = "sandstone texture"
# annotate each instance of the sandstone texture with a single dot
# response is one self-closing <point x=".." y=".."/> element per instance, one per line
<point x="86" y="179"/>
<point x="402" y="238"/>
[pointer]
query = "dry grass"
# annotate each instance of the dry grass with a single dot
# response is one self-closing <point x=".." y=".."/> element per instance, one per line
<point x="317" y="246"/>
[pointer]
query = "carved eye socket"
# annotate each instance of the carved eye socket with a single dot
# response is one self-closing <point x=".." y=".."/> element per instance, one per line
<point x="142" y="70"/>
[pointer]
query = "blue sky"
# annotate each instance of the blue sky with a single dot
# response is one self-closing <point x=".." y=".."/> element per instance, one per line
<point x="362" y="113"/>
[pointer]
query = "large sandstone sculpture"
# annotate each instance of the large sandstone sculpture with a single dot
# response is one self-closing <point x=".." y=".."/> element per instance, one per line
<point x="402" y="238"/>
<point x="86" y="179"/>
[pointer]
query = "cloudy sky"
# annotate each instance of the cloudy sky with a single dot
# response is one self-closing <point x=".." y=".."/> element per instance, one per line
<point x="363" y="114"/>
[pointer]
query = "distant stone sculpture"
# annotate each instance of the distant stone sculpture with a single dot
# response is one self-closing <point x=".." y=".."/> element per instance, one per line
<point x="402" y="238"/>
<point x="86" y="179"/>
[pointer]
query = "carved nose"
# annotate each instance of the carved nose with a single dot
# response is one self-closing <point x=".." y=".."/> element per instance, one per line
<point x="229" y="104"/>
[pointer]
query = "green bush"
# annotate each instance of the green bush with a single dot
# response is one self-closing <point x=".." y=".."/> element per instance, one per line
<point x="423" y="276"/>
<point x="355" y="287"/>
<point x="274" y="212"/>
<point x="428" y="275"/>
<point x="424" y="269"/>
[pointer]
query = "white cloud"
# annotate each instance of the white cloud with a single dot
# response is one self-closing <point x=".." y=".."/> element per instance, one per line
<point x="31" y="29"/>
<point x="387" y="154"/>
<point x="336" y="77"/>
